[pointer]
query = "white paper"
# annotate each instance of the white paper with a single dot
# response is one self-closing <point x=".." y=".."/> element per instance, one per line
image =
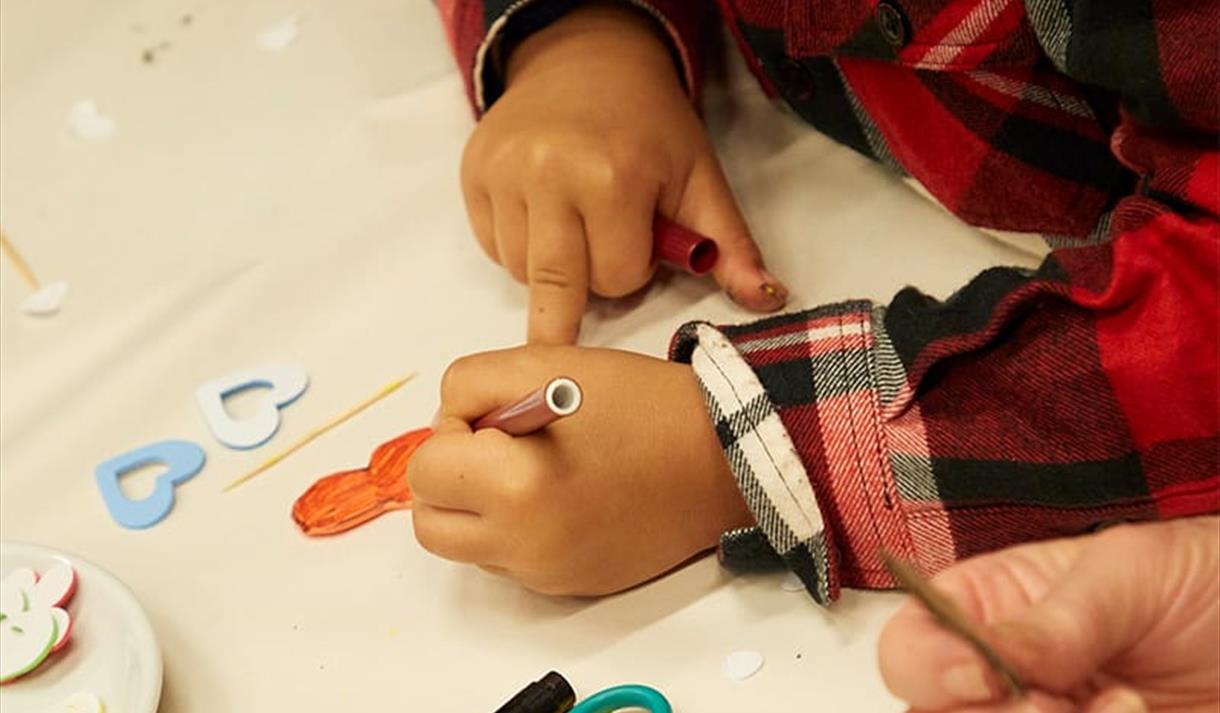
<point x="740" y="665"/>
<point x="277" y="37"/>
<point x="46" y="301"/>
<point x="88" y="123"/>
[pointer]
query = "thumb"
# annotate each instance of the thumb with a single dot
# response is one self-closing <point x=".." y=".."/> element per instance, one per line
<point x="707" y="206"/>
<point x="1055" y="611"/>
<point x="1093" y="613"/>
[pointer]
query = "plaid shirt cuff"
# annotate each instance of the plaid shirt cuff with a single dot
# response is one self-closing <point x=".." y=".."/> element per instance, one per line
<point x="768" y="468"/>
<point x="525" y="17"/>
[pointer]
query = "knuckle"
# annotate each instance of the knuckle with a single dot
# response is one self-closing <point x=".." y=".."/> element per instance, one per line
<point x="549" y="587"/>
<point x="473" y="162"/>
<point x="620" y="276"/>
<point x="522" y="493"/>
<point x="551" y="276"/>
<point x="548" y="162"/>
<point x="426" y="535"/>
<point x="454" y="377"/>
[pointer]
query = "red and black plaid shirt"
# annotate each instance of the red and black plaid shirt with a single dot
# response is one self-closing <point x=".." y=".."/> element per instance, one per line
<point x="1030" y="404"/>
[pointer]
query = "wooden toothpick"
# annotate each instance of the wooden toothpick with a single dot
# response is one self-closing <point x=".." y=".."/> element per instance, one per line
<point x="381" y="394"/>
<point x="19" y="262"/>
<point x="947" y="614"/>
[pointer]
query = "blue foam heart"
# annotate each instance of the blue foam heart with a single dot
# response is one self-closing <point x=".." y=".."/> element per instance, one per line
<point x="183" y="461"/>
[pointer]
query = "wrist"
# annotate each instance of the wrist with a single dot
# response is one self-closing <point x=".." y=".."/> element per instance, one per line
<point x="613" y="34"/>
<point x="720" y="506"/>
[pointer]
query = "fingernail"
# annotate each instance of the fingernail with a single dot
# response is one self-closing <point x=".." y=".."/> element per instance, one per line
<point x="967" y="683"/>
<point x="772" y="288"/>
<point x="1122" y="701"/>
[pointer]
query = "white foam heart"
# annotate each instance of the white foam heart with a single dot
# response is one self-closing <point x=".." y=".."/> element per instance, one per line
<point x="284" y="383"/>
<point x="88" y="123"/>
<point x="46" y="301"/>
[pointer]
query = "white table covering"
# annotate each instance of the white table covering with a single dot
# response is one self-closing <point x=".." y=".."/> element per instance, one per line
<point x="303" y="207"/>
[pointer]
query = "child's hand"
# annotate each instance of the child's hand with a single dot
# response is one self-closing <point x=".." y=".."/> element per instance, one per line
<point x="1122" y="621"/>
<point x="593" y="135"/>
<point x="629" y="487"/>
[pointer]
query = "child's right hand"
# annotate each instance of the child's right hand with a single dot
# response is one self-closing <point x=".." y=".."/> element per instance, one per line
<point x="563" y="175"/>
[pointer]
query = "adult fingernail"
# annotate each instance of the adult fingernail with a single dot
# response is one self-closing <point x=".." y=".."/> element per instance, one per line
<point x="772" y="289"/>
<point x="1122" y="701"/>
<point x="967" y="683"/>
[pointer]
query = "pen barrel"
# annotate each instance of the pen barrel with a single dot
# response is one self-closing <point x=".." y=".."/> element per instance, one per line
<point x="682" y="247"/>
<point x="558" y="398"/>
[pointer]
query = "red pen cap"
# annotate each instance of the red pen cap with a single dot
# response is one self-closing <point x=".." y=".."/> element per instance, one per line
<point x="682" y="247"/>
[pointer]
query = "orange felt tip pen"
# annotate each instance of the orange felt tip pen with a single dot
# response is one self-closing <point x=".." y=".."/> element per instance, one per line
<point x="556" y="399"/>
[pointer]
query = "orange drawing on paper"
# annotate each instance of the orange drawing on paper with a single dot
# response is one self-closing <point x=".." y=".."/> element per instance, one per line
<point x="349" y="498"/>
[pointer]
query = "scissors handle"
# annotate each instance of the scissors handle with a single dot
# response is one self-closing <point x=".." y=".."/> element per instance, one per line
<point x="627" y="696"/>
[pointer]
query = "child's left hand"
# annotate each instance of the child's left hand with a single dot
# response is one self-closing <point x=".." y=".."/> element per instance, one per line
<point x="629" y="487"/>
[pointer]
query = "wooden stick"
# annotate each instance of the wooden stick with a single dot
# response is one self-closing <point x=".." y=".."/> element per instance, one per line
<point x="947" y="614"/>
<point x="381" y="394"/>
<point x="19" y="262"/>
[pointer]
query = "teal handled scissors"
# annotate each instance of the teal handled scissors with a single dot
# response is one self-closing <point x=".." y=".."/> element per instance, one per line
<point x="553" y="694"/>
<point x="628" y="696"/>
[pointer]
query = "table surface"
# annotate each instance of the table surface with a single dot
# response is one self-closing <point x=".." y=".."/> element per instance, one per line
<point x="303" y="207"/>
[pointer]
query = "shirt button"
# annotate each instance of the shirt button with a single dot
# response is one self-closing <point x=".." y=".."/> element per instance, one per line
<point x="795" y="79"/>
<point x="892" y="23"/>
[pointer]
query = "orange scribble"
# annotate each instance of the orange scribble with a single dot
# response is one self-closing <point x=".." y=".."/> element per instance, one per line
<point x="349" y="498"/>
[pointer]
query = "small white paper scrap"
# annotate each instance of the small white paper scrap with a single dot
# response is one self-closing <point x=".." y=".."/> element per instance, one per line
<point x="88" y="123"/>
<point x="277" y="37"/>
<point x="82" y="702"/>
<point x="46" y="301"/>
<point x="792" y="583"/>
<point x="740" y="665"/>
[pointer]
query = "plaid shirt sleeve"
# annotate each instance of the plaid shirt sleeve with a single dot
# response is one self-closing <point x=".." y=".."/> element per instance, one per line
<point x="483" y="32"/>
<point x="1029" y="404"/>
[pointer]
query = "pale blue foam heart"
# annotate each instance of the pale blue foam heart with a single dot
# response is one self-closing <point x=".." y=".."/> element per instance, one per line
<point x="182" y="460"/>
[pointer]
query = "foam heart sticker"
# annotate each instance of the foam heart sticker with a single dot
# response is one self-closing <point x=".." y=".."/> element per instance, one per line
<point x="182" y="459"/>
<point x="285" y="383"/>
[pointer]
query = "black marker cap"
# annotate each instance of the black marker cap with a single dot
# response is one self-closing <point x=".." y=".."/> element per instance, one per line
<point x="550" y="694"/>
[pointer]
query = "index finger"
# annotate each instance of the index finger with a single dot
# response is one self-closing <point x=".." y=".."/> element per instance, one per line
<point x="557" y="269"/>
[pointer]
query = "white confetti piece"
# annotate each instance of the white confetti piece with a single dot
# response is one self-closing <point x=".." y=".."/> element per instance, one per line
<point x="81" y="702"/>
<point x="88" y="123"/>
<point x="792" y="583"/>
<point x="46" y="301"/>
<point x="277" y="37"/>
<point x="740" y="665"/>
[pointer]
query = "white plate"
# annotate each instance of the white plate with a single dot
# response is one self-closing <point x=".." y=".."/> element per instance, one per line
<point x="112" y="651"/>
